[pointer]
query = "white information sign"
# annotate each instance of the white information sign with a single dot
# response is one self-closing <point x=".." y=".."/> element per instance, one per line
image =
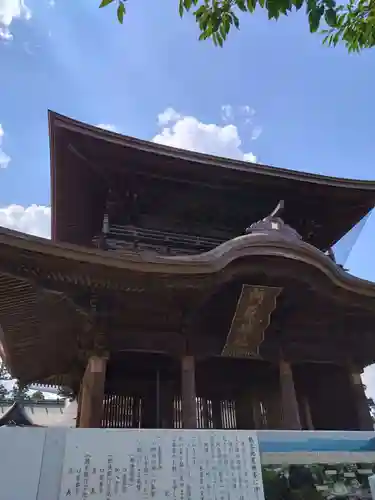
<point x="161" y="464"/>
<point x="21" y="454"/>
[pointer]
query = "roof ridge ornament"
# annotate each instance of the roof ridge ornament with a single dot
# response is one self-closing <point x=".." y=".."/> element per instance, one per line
<point x="273" y="224"/>
<point x="278" y="210"/>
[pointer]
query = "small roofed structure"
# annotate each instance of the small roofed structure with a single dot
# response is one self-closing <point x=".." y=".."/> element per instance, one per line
<point x="156" y="309"/>
<point x="44" y="413"/>
<point x="16" y="415"/>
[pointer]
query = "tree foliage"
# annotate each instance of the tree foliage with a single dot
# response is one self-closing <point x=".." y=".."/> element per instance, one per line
<point x="352" y="24"/>
<point x="66" y="393"/>
<point x="4" y="376"/>
<point x="371" y="406"/>
<point x="19" y="392"/>
<point x="37" y="396"/>
<point x="4" y="393"/>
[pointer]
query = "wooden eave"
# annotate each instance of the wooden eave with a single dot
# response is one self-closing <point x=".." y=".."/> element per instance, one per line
<point x="177" y="271"/>
<point x="352" y="199"/>
<point x="41" y="320"/>
<point x="60" y="121"/>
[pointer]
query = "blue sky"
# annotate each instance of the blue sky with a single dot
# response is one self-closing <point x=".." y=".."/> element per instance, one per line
<point x="290" y="101"/>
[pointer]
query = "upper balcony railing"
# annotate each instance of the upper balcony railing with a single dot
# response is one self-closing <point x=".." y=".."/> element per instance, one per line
<point x="136" y="239"/>
<point x="129" y="238"/>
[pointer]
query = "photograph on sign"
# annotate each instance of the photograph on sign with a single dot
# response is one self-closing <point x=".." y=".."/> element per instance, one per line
<point x="318" y="465"/>
<point x="318" y="481"/>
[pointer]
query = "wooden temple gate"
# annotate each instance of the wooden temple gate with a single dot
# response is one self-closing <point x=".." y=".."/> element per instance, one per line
<point x="144" y="390"/>
<point x="157" y="311"/>
<point x="156" y="401"/>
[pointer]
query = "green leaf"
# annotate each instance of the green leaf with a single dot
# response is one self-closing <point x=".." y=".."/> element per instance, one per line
<point x="215" y="22"/>
<point x="121" y="11"/>
<point x="251" y="4"/>
<point x="340" y="20"/>
<point x="241" y="5"/>
<point x="104" y="3"/>
<point x="298" y="4"/>
<point x="199" y="12"/>
<point x="181" y="8"/>
<point x="236" y="21"/>
<point x="279" y="7"/>
<point x="222" y="31"/>
<point x="330" y="4"/>
<point x="330" y="18"/>
<point x="311" y="5"/>
<point x="203" y="21"/>
<point x="336" y="39"/>
<point x="274" y="7"/>
<point x="226" y="24"/>
<point x="315" y="16"/>
<point x="187" y="4"/>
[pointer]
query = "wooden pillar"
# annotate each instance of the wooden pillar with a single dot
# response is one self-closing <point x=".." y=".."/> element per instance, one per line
<point x="79" y="406"/>
<point x="166" y="405"/>
<point x="216" y="412"/>
<point x="289" y="404"/>
<point x="308" y="416"/>
<point x="273" y="410"/>
<point x="257" y="413"/>
<point x="92" y="392"/>
<point x="244" y="411"/>
<point x="365" y="422"/>
<point x="189" y="412"/>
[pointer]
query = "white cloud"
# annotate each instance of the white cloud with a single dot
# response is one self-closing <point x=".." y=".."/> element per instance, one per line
<point x="368" y="378"/>
<point x="247" y="111"/>
<point x="4" y="158"/>
<point x="9" y="10"/>
<point x="242" y="115"/>
<point x="226" y="112"/>
<point x="257" y="130"/>
<point x="107" y="126"/>
<point x="187" y="132"/>
<point x="34" y="219"/>
<point x="168" y="116"/>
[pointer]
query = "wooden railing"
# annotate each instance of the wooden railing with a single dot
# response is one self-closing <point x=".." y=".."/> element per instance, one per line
<point x="127" y="412"/>
<point x="137" y="239"/>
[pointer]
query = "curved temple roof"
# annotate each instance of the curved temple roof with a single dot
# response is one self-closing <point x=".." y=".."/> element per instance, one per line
<point x="142" y="267"/>
<point x="16" y="415"/>
<point x="41" y="283"/>
<point x="321" y="208"/>
<point x="60" y="121"/>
